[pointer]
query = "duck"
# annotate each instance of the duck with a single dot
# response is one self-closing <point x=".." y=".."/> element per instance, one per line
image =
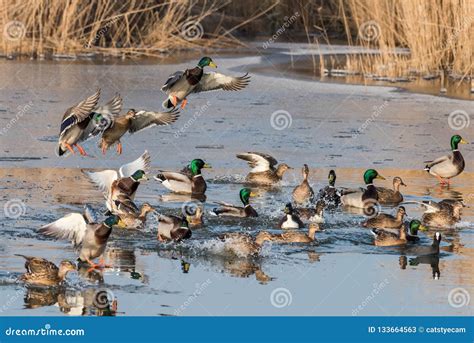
<point x="329" y="194"/>
<point x="132" y="122"/>
<point x="363" y="198"/>
<point x="194" y="215"/>
<point x="290" y="236"/>
<point x="77" y="124"/>
<point x="391" y="196"/>
<point x="423" y="250"/>
<point x="183" y="183"/>
<point x="136" y="219"/>
<point x="241" y="244"/>
<point x="387" y="221"/>
<point x="263" y="168"/>
<point x="182" y="83"/>
<point x="314" y="215"/>
<point x="412" y="231"/>
<point x="447" y="215"/>
<point x="41" y="272"/>
<point x="303" y="193"/>
<point x="446" y="167"/>
<point x="290" y="220"/>
<point x="228" y="210"/>
<point x="122" y="183"/>
<point x="385" y="238"/>
<point x="173" y="228"/>
<point x="85" y="232"/>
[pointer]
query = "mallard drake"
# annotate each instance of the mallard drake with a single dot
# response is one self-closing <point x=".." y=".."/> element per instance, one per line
<point x="263" y="168"/>
<point x="135" y="219"/>
<point x="182" y="83"/>
<point x="303" y="193"/>
<point x="241" y="244"/>
<point x="387" y="221"/>
<point x="77" y="124"/>
<point x="290" y="236"/>
<point x="412" y="231"/>
<point x="182" y="183"/>
<point x="445" y="215"/>
<point x="329" y="194"/>
<point x="417" y="250"/>
<point x="366" y="198"/>
<point x="385" y="238"/>
<point x="85" y="232"/>
<point x="133" y="122"/>
<point x="228" y="210"/>
<point x="290" y="220"/>
<point x="121" y="184"/>
<point x="449" y="166"/>
<point x="42" y="272"/>
<point x="314" y="215"/>
<point x="391" y="196"/>
<point x="173" y="228"/>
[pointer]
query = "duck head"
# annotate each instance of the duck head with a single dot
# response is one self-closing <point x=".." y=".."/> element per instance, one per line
<point x="114" y="220"/>
<point x="139" y="175"/>
<point x="196" y="165"/>
<point x="288" y="208"/>
<point x="397" y="182"/>
<point x="206" y="62"/>
<point x="415" y="226"/>
<point x="401" y="212"/>
<point x="370" y="175"/>
<point x="245" y="194"/>
<point x="332" y="178"/>
<point x="456" y="140"/>
<point x="65" y="267"/>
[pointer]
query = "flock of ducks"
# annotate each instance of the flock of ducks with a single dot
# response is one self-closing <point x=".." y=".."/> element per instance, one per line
<point x="300" y="222"/>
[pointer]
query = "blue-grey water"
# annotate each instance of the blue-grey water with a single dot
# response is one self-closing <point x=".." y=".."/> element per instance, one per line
<point x="349" y="128"/>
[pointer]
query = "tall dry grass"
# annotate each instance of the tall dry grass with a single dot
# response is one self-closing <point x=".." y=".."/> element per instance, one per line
<point x="438" y="33"/>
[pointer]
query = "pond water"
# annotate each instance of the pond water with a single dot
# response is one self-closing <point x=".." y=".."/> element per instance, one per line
<point x="346" y="127"/>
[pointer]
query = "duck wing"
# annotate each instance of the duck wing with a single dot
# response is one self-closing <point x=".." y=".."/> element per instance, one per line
<point x="214" y="81"/>
<point x="71" y="227"/>
<point x="145" y="119"/>
<point x="103" y="179"/>
<point x="439" y="160"/>
<point x="141" y="163"/>
<point x="38" y="265"/>
<point x="259" y="162"/>
<point x="172" y="79"/>
<point x="107" y="113"/>
<point x="78" y="113"/>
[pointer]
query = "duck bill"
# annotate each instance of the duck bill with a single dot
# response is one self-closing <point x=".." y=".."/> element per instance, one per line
<point x="212" y="64"/>
<point x="403" y="184"/>
<point x="463" y="141"/>
<point x="423" y="228"/>
<point x="121" y="224"/>
<point x="253" y="194"/>
<point x="380" y="177"/>
<point x="207" y="166"/>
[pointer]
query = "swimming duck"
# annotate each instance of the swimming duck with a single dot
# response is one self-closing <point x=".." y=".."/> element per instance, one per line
<point x="290" y="220"/>
<point x="385" y="238"/>
<point x="85" y="232"/>
<point x="182" y="83"/>
<point x="386" y="221"/>
<point x="303" y="193"/>
<point x="42" y="272"/>
<point x="391" y="196"/>
<point x="237" y="211"/>
<point x="446" y="215"/>
<point x="368" y="197"/>
<point x="76" y="125"/>
<point x="449" y="166"/>
<point x="135" y="219"/>
<point x="313" y="215"/>
<point x="263" y="168"/>
<point x="412" y="231"/>
<point x="182" y="183"/>
<point x="133" y="122"/>
<point x="418" y="250"/>
<point x="241" y="244"/>
<point x="173" y="228"/>
<point x="290" y="236"/>
<point x="329" y="194"/>
<point x="122" y="183"/>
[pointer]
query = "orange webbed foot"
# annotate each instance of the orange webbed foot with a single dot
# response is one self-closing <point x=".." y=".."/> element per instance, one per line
<point x="183" y="104"/>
